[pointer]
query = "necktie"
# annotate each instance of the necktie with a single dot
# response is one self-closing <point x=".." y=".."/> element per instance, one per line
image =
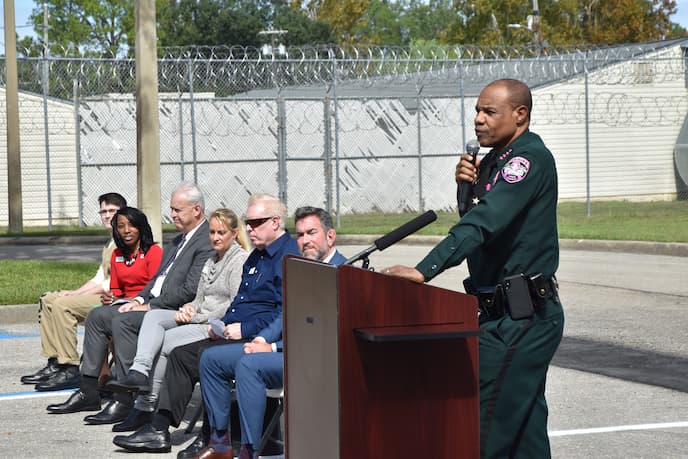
<point x="172" y="257"/>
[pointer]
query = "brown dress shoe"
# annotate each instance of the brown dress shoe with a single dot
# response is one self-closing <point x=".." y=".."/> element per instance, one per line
<point x="210" y="453"/>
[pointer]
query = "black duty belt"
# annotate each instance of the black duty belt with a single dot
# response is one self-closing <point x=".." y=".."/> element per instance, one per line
<point x="493" y="303"/>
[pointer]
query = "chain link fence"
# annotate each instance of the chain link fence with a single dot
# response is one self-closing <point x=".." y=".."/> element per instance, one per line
<point x="352" y="130"/>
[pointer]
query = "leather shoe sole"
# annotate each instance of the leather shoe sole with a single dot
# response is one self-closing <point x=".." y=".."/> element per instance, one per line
<point x="193" y="449"/>
<point x="78" y="401"/>
<point x="64" y="379"/>
<point x="40" y="376"/>
<point x="114" y="411"/>
<point x="145" y="440"/>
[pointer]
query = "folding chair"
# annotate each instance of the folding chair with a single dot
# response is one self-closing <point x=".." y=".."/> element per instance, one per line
<point x="274" y="421"/>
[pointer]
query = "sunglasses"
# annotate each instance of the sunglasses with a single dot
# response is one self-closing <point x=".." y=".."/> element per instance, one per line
<point x="256" y="222"/>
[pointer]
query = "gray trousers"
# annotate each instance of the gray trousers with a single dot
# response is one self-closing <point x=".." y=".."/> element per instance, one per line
<point x="159" y="334"/>
<point x="103" y="323"/>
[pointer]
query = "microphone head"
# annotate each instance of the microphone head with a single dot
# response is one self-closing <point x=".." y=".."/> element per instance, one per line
<point x="472" y="147"/>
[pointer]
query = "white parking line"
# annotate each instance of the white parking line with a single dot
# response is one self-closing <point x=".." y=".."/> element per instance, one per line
<point x="661" y="425"/>
<point x="22" y="395"/>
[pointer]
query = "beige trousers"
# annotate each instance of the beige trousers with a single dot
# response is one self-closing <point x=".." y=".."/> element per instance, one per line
<point x="58" y="317"/>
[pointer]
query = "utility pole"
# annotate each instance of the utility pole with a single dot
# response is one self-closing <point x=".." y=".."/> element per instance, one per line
<point x="147" y="120"/>
<point x="535" y="27"/>
<point x="14" y="193"/>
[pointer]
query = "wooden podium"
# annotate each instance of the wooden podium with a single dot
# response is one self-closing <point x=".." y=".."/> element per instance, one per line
<point x="377" y="366"/>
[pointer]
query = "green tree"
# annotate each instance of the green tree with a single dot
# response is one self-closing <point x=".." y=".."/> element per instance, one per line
<point x="94" y="27"/>
<point x="426" y="20"/>
<point x="627" y="21"/>
<point x="236" y="23"/>
<point x="301" y="30"/>
<point x="345" y="17"/>
<point x="564" y="22"/>
<point x="381" y="24"/>
<point x="212" y="22"/>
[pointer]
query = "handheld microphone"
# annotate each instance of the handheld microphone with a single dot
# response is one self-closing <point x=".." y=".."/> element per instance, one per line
<point x="395" y="235"/>
<point x="464" y="191"/>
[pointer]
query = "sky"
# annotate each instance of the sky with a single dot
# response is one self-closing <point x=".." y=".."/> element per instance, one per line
<point x="22" y="10"/>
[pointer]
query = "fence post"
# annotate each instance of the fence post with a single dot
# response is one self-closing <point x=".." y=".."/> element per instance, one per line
<point x="77" y="135"/>
<point x="462" y="95"/>
<point x="193" y="122"/>
<point x="47" y="138"/>
<point x="419" y="109"/>
<point x="336" y="137"/>
<point x="281" y="150"/>
<point x="181" y="134"/>
<point x="327" y="153"/>
<point x="587" y="138"/>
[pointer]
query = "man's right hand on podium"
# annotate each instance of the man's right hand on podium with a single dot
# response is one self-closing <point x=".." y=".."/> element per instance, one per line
<point x="405" y="272"/>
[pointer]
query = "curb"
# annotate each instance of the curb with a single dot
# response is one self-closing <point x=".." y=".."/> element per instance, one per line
<point x="19" y="313"/>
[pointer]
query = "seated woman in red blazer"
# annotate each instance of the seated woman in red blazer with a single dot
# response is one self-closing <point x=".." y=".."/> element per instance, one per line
<point x="137" y="257"/>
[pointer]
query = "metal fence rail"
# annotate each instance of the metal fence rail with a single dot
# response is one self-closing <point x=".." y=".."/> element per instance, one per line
<point x="350" y="129"/>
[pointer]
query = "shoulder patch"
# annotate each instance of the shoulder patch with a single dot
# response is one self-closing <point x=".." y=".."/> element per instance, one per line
<point x="516" y="169"/>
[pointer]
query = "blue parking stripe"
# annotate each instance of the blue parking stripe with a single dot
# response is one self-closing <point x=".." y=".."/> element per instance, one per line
<point x="5" y="335"/>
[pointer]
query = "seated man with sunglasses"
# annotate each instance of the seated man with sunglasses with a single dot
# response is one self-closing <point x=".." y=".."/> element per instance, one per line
<point x="257" y="304"/>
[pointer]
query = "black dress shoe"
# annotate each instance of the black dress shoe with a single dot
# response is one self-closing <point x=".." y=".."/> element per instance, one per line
<point x="134" y="382"/>
<point x="193" y="449"/>
<point x="68" y="377"/>
<point x="114" y="411"/>
<point x="78" y="401"/>
<point x="42" y="374"/>
<point x="134" y="420"/>
<point x="147" y="439"/>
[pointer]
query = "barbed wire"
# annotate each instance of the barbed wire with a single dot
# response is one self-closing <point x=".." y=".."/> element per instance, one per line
<point x="229" y="71"/>
<point x="469" y="52"/>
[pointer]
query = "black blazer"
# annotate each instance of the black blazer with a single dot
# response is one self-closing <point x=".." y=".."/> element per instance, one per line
<point x="181" y="282"/>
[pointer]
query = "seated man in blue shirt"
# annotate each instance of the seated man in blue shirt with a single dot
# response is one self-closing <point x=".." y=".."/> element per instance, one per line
<point x="315" y="237"/>
<point x="257" y="303"/>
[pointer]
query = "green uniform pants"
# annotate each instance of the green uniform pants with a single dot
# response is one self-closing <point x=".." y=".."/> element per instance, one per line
<point x="58" y="318"/>
<point x="514" y="357"/>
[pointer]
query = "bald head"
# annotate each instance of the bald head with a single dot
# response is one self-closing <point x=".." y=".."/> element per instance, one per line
<point x="518" y="92"/>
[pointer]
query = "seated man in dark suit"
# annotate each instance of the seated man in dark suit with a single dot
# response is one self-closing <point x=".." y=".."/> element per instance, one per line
<point x="173" y="285"/>
<point x="257" y="303"/>
<point x="258" y="364"/>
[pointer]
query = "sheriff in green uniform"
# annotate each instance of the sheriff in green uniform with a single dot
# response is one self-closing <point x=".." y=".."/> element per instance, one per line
<point x="508" y="236"/>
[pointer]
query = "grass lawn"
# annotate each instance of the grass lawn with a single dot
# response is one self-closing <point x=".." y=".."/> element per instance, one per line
<point x="21" y="281"/>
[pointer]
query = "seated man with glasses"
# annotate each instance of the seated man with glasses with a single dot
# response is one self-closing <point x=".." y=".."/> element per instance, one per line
<point x="257" y="304"/>
<point x="60" y="312"/>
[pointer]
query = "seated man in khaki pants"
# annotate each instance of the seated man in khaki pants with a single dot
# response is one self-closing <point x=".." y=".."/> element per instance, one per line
<point x="60" y="312"/>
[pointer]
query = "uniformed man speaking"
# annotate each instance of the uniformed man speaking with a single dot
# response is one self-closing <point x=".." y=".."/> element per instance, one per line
<point x="509" y="236"/>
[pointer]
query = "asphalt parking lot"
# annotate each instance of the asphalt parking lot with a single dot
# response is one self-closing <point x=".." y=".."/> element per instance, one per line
<point x="618" y="386"/>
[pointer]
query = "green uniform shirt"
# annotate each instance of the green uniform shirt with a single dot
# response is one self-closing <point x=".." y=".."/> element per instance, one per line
<point x="513" y="227"/>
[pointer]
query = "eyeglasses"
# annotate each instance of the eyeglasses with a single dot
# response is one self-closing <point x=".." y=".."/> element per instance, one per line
<point x="256" y="222"/>
<point x="107" y="211"/>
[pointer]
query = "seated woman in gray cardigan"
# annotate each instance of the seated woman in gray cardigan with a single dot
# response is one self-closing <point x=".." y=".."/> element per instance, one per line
<point x="162" y="329"/>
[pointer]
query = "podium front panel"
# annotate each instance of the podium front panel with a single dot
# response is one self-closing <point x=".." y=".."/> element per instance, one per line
<point x="311" y="364"/>
<point x="410" y="389"/>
